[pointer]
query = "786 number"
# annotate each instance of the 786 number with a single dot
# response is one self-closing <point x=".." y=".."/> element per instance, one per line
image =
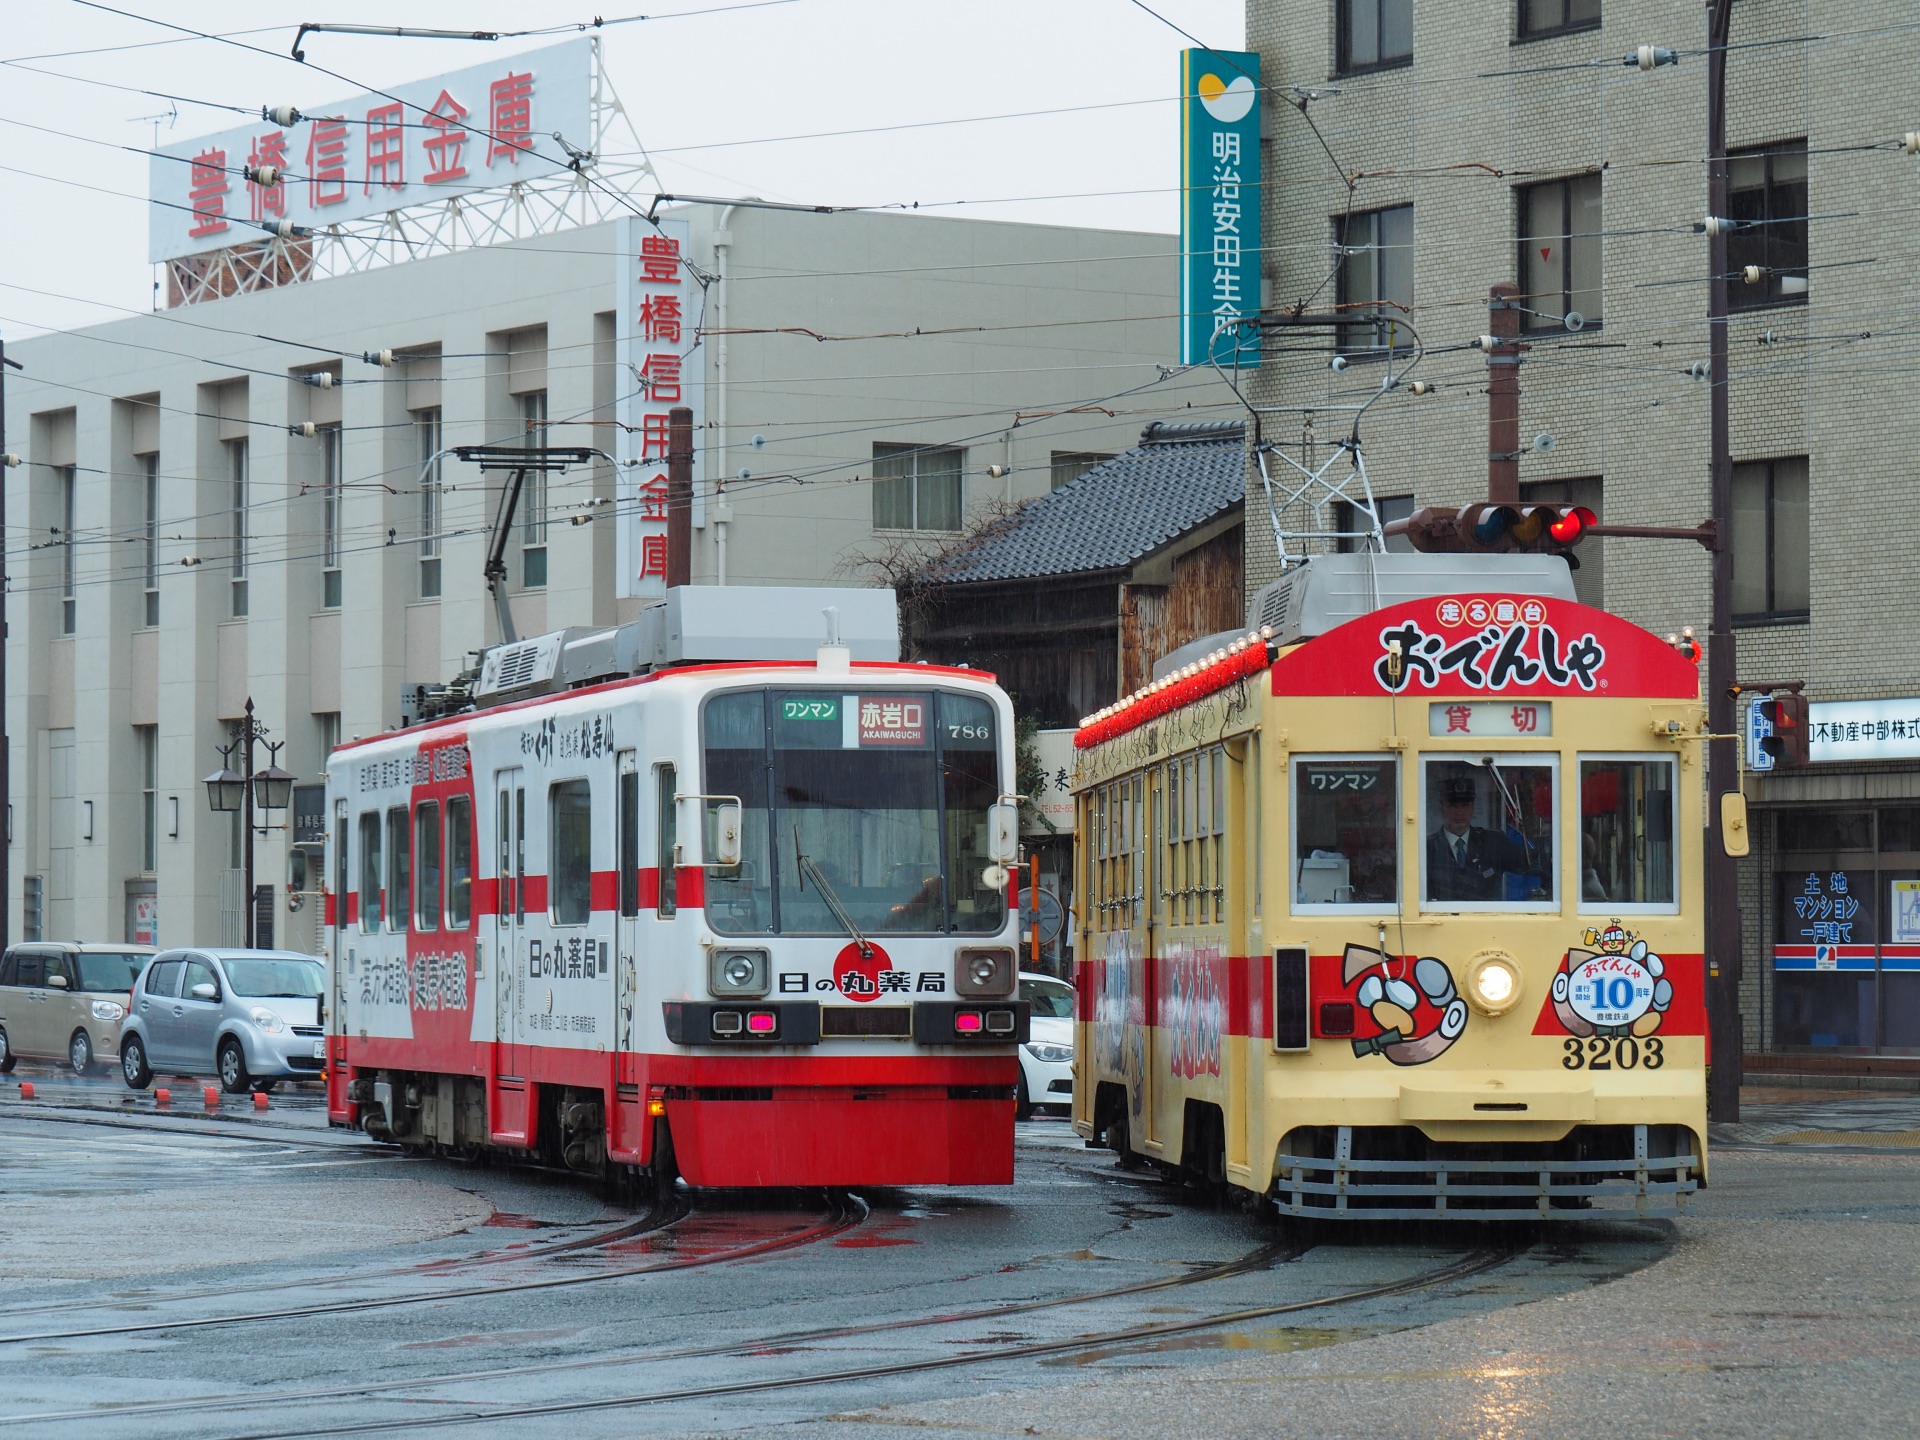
<point x="1624" y="1052"/>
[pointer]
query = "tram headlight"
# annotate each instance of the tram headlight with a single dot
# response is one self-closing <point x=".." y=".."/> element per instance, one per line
<point x="1493" y="983"/>
<point x="983" y="971"/>
<point x="735" y="973"/>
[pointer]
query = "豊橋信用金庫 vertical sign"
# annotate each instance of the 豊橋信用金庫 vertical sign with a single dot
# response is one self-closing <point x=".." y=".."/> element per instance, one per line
<point x="1220" y="206"/>
<point x="658" y="367"/>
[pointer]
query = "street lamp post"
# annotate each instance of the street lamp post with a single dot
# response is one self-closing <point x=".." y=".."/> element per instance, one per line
<point x="269" y="788"/>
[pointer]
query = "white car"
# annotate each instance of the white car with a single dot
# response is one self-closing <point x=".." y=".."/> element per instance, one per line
<point x="1046" y="1060"/>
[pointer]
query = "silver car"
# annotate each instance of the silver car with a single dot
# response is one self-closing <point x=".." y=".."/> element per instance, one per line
<point x="252" y="1017"/>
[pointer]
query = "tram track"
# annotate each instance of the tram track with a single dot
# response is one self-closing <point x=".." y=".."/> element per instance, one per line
<point x="844" y="1212"/>
<point x="1260" y="1258"/>
<point x="649" y="1223"/>
<point x="1463" y="1268"/>
<point x="156" y="1122"/>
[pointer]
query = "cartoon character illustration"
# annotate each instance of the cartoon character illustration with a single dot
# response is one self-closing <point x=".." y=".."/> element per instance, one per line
<point x="1397" y="1008"/>
<point x="1616" y="987"/>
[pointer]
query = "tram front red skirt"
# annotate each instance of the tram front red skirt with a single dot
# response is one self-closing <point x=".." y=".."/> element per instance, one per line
<point x="834" y="1135"/>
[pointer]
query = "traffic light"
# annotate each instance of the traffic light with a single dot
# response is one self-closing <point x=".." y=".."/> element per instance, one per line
<point x="1790" y="742"/>
<point x="1507" y="529"/>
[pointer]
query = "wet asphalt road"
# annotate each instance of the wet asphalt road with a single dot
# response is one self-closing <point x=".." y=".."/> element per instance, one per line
<point x="255" y="1274"/>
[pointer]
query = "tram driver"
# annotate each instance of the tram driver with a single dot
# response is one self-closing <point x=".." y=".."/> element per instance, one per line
<point x="1466" y="861"/>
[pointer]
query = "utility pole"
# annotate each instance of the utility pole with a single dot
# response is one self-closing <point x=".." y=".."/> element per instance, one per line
<point x="1724" y="1029"/>
<point x="1503" y="393"/>
<point x="8" y="461"/>
<point x="679" y="496"/>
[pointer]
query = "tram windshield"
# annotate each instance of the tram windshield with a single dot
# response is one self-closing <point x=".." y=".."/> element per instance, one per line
<point x="1489" y="827"/>
<point x="884" y="794"/>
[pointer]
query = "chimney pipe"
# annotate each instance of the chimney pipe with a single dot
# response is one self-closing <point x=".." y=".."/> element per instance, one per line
<point x="679" y="496"/>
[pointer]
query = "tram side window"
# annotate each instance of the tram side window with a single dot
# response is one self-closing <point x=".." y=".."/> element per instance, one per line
<point x="459" y="862"/>
<point x="570" y="852"/>
<point x="1627" y="854"/>
<point x="1346" y="844"/>
<point x="426" y="869"/>
<point x="399" y="881"/>
<point x="630" y="843"/>
<point x="1489" y="827"/>
<point x="370" y="871"/>
<point x="668" y="785"/>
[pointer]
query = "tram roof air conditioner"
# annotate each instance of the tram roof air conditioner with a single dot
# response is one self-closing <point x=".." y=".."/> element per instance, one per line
<point x="1329" y="590"/>
<point x="694" y="624"/>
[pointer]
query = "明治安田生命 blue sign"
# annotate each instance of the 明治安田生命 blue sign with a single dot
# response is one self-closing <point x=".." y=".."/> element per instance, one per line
<point x="1220" y="206"/>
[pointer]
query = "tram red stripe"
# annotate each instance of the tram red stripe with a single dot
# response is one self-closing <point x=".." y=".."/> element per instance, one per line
<point x="533" y="892"/>
<point x="649" y="887"/>
<point x="691" y="887"/>
<point x="605" y="890"/>
<point x="486" y="897"/>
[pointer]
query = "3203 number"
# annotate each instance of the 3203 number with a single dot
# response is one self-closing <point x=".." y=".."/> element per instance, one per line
<point x="1598" y="1052"/>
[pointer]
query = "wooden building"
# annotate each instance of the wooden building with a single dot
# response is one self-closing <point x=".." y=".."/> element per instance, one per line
<point x="1071" y="600"/>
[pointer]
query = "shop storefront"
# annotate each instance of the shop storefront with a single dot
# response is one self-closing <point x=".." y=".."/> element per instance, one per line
<point x="1839" y="885"/>
<point x="1845" y="900"/>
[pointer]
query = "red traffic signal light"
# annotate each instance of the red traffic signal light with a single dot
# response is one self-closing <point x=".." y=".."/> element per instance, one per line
<point x="1505" y="529"/>
<point x="1790" y="744"/>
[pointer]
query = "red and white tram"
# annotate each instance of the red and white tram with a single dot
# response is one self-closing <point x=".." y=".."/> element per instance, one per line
<point x="743" y="919"/>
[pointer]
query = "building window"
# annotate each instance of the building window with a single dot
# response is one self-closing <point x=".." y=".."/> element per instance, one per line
<point x="69" y="561"/>
<point x="1589" y="574"/>
<point x="916" y="487"/>
<point x="1374" y="34"/>
<point x="1376" y="274"/>
<point x="327" y="725"/>
<point x="1768" y="189"/>
<point x="1560" y="251"/>
<point x="1349" y="521"/>
<point x="533" y="495"/>
<point x="150" y="537"/>
<point x="1557" y="17"/>
<point x="237" y="525"/>
<point x="1070" y="465"/>
<point x="426" y="426"/>
<point x="1770" y="579"/>
<point x="148" y="739"/>
<point x="333" y="496"/>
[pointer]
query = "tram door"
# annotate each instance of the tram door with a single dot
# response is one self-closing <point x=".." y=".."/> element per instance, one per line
<point x="626" y="969"/>
<point x="1154" y="944"/>
<point x="510" y="1111"/>
<point x="337" y="947"/>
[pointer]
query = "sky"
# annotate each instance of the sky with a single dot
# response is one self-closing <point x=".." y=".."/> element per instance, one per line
<point x="728" y="102"/>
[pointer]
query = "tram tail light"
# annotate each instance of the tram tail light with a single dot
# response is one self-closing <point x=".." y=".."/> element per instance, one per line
<point x="763" y="1022"/>
<point x="1000" y="1022"/>
<point x="967" y="1022"/>
<point x="726" y="1022"/>
<point x="1336" y="1018"/>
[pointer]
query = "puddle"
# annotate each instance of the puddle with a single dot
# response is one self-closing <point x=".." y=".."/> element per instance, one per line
<point x="517" y="1222"/>
<point x="1133" y="1210"/>
<point x="1268" y="1341"/>
<point x="870" y="1242"/>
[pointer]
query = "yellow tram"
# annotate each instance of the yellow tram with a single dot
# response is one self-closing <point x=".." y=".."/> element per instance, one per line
<point x="1392" y="906"/>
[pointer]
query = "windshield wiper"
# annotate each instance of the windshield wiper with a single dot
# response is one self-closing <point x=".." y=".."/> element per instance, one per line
<point x="806" y="867"/>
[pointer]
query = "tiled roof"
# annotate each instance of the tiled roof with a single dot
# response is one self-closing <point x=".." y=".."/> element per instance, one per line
<point x="1177" y="478"/>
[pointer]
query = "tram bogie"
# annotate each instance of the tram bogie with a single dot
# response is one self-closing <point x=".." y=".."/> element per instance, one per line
<point x="743" y="919"/>
<point x="1394" y="909"/>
